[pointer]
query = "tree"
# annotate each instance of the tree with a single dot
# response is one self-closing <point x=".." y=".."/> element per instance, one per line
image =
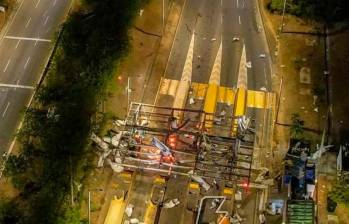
<point x="340" y="191"/>
<point x="297" y="126"/>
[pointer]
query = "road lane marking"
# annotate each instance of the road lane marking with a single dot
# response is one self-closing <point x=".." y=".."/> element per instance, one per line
<point x="3" y="114"/>
<point x="8" y="62"/>
<point x="237" y="3"/>
<point x="243" y="3"/>
<point x="46" y="20"/>
<point x="27" y="24"/>
<point x="26" y="63"/>
<point x="239" y="20"/>
<point x="54" y="2"/>
<point x="17" y="43"/>
<point x="37" y="3"/>
<point x="221" y="2"/>
<point x="16" y="86"/>
<point x="27" y="38"/>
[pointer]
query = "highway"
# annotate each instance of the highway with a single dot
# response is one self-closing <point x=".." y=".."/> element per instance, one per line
<point x="213" y="23"/>
<point x="25" y="47"/>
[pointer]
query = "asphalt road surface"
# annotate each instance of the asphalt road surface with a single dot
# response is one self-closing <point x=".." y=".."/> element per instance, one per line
<point x="25" y="46"/>
<point x="213" y="22"/>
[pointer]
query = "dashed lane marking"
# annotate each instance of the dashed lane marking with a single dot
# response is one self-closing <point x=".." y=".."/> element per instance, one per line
<point x="26" y="63"/>
<point x="4" y="113"/>
<point x="28" y="22"/>
<point x="37" y="3"/>
<point x="8" y="62"/>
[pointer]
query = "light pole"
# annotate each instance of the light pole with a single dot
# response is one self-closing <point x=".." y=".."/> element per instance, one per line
<point x="283" y="16"/>
<point x="163" y="17"/>
<point x="89" y="202"/>
<point x="128" y="92"/>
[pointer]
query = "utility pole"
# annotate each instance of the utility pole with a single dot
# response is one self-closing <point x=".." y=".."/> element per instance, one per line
<point x="163" y="17"/>
<point x="128" y="92"/>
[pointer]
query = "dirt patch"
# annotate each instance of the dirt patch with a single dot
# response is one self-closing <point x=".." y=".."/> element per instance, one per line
<point x="291" y="53"/>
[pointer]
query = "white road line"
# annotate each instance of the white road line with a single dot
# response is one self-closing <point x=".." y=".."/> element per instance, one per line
<point x="17" y="43"/>
<point x="46" y="20"/>
<point x="8" y="62"/>
<point x="26" y="63"/>
<point x="27" y="38"/>
<point x="237" y="3"/>
<point x="221" y="2"/>
<point x="3" y="114"/>
<point x="37" y="3"/>
<point x="16" y="86"/>
<point x="243" y="3"/>
<point x="27" y="24"/>
<point x="239" y="20"/>
<point x="54" y="2"/>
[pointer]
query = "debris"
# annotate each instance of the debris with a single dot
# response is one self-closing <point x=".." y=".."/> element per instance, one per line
<point x="97" y="140"/>
<point x="134" y="221"/>
<point x="263" y="89"/>
<point x="116" y="139"/>
<point x="262" y="56"/>
<point x="107" y="139"/>
<point x="199" y="180"/>
<point x="176" y="201"/>
<point x="119" y="123"/>
<point x="248" y="64"/>
<point x="223" y="113"/>
<point x="169" y="204"/>
<point x="102" y="158"/>
<point x="214" y="203"/>
<point x="213" y="39"/>
<point x="316" y="109"/>
<point x="141" y="12"/>
<point x="236" y="39"/>
<point x="129" y="210"/>
<point x="116" y="167"/>
<point x="191" y="100"/>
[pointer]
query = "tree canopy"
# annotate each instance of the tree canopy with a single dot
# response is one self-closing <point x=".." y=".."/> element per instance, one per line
<point x="328" y="11"/>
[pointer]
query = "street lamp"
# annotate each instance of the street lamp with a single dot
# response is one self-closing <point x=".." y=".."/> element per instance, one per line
<point x="89" y="202"/>
<point x="283" y="16"/>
